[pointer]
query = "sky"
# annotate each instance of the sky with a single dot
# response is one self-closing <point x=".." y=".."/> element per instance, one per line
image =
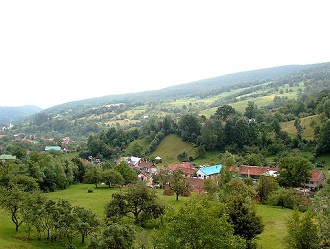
<point x="53" y="52"/>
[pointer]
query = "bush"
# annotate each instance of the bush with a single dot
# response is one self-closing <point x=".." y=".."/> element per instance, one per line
<point x="283" y="198"/>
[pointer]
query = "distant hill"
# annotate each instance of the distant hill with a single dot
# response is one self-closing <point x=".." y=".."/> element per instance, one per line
<point x="9" y="114"/>
<point x="201" y="88"/>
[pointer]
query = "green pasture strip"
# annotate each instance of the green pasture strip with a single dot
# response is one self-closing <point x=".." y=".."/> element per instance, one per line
<point x="274" y="232"/>
<point x="170" y="147"/>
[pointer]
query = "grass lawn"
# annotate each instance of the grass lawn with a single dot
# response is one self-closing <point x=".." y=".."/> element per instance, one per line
<point x="274" y="218"/>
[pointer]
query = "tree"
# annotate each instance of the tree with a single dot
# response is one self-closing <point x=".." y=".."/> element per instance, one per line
<point x="322" y="213"/>
<point x="189" y="128"/>
<point x="138" y="201"/>
<point x="225" y="111"/>
<point x="199" y="224"/>
<point x="266" y="185"/>
<point x="302" y="232"/>
<point x="294" y="171"/>
<point x="112" y="176"/>
<point x="93" y="175"/>
<point x="114" y="236"/>
<point x="243" y="216"/>
<point x="17" y="195"/>
<point x="178" y="183"/>
<point x="250" y="110"/>
<point x="87" y="222"/>
<point x="323" y="143"/>
<point x="129" y="174"/>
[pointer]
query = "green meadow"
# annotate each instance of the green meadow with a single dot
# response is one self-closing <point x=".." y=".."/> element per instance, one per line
<point x="274" y="218"/>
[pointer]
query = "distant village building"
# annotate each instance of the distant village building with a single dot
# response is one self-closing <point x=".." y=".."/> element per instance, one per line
<point x="57" y="148"/>
<point x="209" y="171"/>
<point x="187" y="168"/>
<point x="5" y="157"/>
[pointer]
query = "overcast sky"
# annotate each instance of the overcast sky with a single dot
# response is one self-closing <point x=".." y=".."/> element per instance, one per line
<point x="52" y="52"/>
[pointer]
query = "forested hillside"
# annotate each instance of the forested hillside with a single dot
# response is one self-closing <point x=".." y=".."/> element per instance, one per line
<point x="231" y="112"/>
<point x="16" y="114"/>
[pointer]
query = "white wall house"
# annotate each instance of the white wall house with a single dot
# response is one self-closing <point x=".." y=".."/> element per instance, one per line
<point x="209" y="171"/>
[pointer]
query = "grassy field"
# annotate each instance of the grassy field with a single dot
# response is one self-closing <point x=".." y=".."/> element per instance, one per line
<point x="308" y="132"/>
<point x="170" y="147"/>
<point x="274" y="218"/>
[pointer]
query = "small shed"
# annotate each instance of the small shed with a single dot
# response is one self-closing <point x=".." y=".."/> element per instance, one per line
<point x="158" y="159"/>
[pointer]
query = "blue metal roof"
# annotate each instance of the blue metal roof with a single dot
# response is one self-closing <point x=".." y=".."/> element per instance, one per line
<point x="211" y="170"/>
<point x="47" y="148"/>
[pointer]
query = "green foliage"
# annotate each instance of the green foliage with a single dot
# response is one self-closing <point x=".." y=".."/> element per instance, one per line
<point x="302" y="232"/>
<point x="199" y="224"/>
<point x="189" y="128"/>
<point x="266" y="185"/>
<point x="284" y="198"/>
<point x="137" y="202"/>
<point x="322" y="213"/>
<point x="295" y="171"/>
<point x="129" y="175"/>
<point x="113" y="236"/>
<point x="178" y="183"/>
<point x="243" y="216"/>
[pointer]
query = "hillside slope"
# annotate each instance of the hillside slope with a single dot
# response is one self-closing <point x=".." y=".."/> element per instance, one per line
<point x="14" y="114"/>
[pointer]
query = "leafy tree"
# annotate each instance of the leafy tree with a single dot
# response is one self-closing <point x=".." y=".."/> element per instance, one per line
<point x="302" y="232"/>
<point x="129" y="174"/>
<point x="81" y="170"/>
<point x="189" y="128"/>
<point x="87" y="222"/>
<point x="266" y="185"/>
<point x="17" y="195"/>
<point x="93" y="175"/>
<point x="178" y="183"/>
<point x="237" y="187"/>
<point x="294" y="171"/>
<point x="138" y="201"/>
<point x="323" y="143"/>
<point x="136" y="149"/>
<point x="112" y="176"/>
<point x="250" y="110"/>
<point x="284" y="198"/>
<point x="210" y="186"/>
<point x="322" y="213"/>
<point x="114" y="236"/>
<point x="227" y="159"/>
<point x="199" y="224"/>
<point x="225" y="111"/>
<point x="243" y="216"/>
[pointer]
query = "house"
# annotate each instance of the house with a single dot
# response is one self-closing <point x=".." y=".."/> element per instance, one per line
<point x="254" y="172"/>
<point x="316" y="179"/>
<point x="147" y="167"/>
<point x="131" y="161"/>
<point x="48" y="148"/>
<point x="209" y="171"/>
<point x="187" y="168"/>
